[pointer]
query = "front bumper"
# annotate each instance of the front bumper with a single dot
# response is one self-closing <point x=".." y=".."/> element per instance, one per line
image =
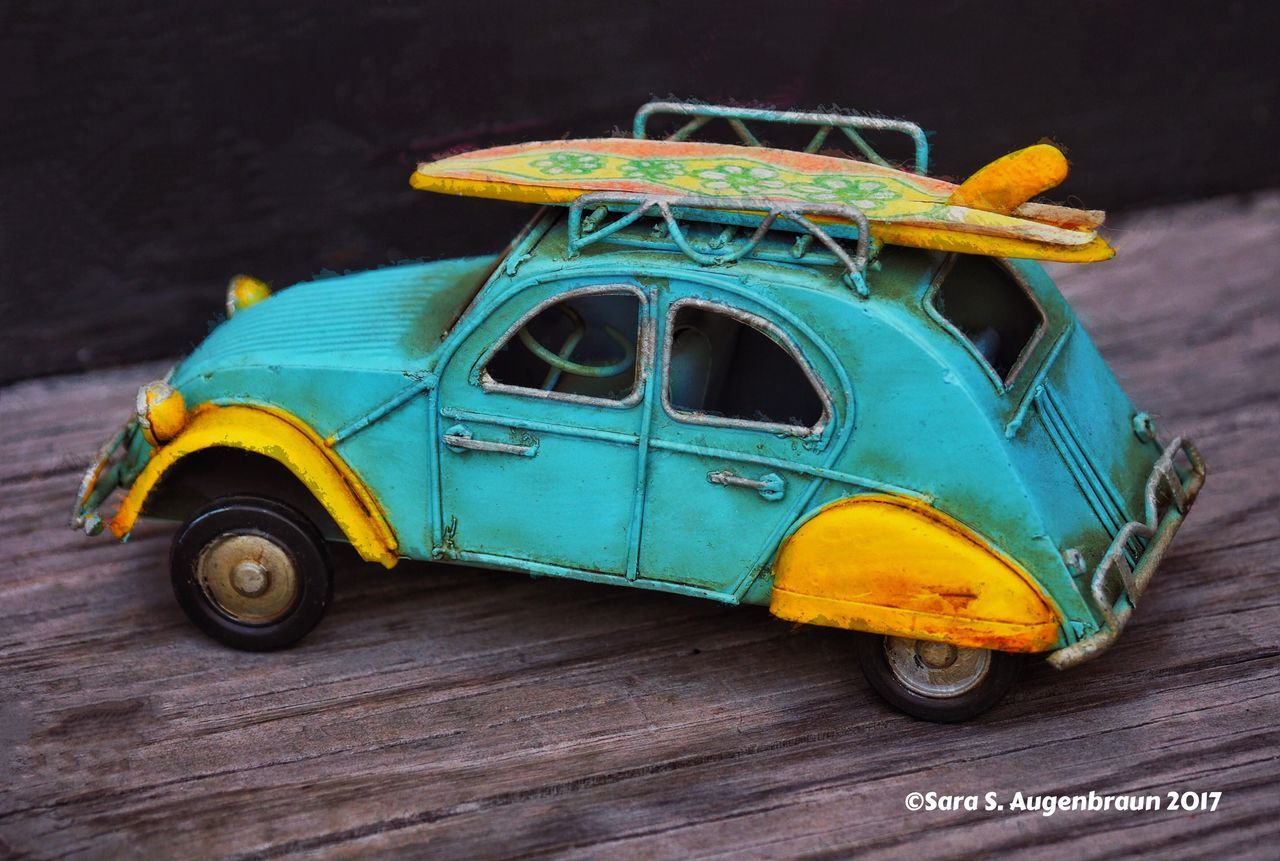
<point x="1118" y="581"/>
<point x="104" y="475"/>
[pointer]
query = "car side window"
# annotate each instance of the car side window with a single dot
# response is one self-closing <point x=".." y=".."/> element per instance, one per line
<point x="726" y="367"/>
<point x="581" y="345"/>
<point x="983" y="301"/>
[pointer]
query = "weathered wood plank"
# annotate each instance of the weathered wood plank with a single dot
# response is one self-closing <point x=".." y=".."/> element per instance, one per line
<point x="464" y="713"/>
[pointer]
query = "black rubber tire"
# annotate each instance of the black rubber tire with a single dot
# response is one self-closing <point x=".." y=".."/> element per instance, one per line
<point x="284" y="526"/>
<point x="1005" y="669"/>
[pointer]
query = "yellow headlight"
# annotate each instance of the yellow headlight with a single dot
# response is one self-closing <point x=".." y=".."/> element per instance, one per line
<point x="162" y="413"/>
<point x="243" y="291"/>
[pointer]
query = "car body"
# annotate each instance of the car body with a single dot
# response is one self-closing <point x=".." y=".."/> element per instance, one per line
<point x="751" y="433"/>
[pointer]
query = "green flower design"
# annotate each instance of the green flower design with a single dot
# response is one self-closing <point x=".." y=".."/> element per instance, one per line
<point x="576" y="163"/>
<point x="652" y="169"/>
<point x="743" y="181"/>
<point x="863" y="193"/>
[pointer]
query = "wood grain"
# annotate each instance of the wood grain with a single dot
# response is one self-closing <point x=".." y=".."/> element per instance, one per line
<point x="450" y="713"/>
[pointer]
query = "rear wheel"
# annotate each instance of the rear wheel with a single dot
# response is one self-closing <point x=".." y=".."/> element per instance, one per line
<point x="251" y="572"/>
<point x="936" y="681"/>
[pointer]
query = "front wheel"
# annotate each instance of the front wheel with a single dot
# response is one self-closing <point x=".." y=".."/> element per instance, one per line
<point x="936" y="681"/>
<point x="251" y="572"/>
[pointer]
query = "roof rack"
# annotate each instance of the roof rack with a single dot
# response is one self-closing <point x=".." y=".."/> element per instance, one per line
<point x="849" y="124"/>
<point x="763" y="214"/>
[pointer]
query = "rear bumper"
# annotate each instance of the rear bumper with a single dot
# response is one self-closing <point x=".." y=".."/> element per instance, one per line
<point x="1118" y="584"/>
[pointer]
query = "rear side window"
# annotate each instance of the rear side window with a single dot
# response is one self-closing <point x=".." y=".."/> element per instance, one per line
<point x="721" y="366"/>
<point x="990" y="308"/>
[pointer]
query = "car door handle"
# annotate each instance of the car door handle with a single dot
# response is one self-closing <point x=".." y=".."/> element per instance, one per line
<point x="458" y="438"/>
<point x="771" y="486"/>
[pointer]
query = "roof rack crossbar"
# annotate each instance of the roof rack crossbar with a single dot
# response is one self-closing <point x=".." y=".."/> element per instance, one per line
<point x="592" y="228"/>
<point x="850" y="124"/>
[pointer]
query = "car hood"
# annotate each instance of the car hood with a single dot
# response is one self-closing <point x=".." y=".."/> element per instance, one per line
<point x="386" y="319"/>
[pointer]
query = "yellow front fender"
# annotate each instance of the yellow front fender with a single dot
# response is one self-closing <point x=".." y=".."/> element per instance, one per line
<point x="283" y="438"/>
<point x="892" y="565"/>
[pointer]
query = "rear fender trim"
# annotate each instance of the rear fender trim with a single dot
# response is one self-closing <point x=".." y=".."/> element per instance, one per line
<point x="889" y="564"/>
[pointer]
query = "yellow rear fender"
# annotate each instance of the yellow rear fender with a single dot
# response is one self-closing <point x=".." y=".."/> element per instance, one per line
<point x="893" y="565"/>
<point x="285" y="439"/>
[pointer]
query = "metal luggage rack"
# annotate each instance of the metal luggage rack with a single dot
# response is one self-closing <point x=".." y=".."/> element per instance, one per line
<point x="851" y="125"/>
<point x="734" y="212"/>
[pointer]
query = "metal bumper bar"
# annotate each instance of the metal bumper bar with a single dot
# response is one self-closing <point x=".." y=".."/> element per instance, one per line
<point x="1117" y="585"/>
<point x="100" y="479"/>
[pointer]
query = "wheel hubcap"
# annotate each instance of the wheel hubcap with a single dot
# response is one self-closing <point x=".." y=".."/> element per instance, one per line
<point x="938" y="670"/>
<point x="248" y="577"/>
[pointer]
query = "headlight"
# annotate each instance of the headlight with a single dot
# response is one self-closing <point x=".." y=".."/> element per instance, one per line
<point x="162" y="413"/>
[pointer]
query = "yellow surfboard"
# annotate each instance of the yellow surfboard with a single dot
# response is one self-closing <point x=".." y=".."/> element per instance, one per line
<point x="987" y="214"/>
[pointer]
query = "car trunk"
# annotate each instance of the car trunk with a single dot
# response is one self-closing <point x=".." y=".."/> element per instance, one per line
<point x="1089" y="423"/>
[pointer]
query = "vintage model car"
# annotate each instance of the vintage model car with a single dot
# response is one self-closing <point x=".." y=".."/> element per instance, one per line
<point x="680" y="393"/>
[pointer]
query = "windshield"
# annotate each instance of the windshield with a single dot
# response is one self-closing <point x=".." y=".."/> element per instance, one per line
<point x="528" y="235"/>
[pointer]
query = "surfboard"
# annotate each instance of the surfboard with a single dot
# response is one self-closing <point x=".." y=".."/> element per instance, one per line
<point x="989" y="213"/>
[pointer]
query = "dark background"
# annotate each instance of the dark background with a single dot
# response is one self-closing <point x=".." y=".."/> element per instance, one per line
<point x="150" y="150"/>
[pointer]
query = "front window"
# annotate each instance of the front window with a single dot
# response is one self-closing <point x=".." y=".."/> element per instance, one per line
<point x="584" y="345"/>
<point x="727" y="367"/>
<point x="980" y="298"/>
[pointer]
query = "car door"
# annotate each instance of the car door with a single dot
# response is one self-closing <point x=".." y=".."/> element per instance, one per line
<point x="539" y="430"/>
<point x="742" y="420"/>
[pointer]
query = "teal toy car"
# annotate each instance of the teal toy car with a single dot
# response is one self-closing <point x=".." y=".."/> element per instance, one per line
<point x="750" y="398"/>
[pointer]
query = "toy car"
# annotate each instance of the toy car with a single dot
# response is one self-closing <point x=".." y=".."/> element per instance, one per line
<point x="757" y="376"/>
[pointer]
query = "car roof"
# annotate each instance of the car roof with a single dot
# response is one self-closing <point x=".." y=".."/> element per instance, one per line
<point x="809" y="287"/>
<point x="775" y="268"/>
<point x="780" y="263"/>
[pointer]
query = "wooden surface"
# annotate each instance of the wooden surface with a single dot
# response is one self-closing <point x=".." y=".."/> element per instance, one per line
<point x="148" y="155"/>
<point x="452" y="713"/>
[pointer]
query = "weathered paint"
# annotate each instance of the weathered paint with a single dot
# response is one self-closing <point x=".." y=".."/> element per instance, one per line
<point x="161" y="411"/>
<point x="904" y="208"/>
<point x="370" y="364"/>
<point x="380" y="320"/>
<point x="282" y="438"/>
<point x="1124" y="574"/>
<point x="379" y="371"/>
<point x="243" y="291"/>
<point x="1012" y="180"/>
<point x="894" y="565"/>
